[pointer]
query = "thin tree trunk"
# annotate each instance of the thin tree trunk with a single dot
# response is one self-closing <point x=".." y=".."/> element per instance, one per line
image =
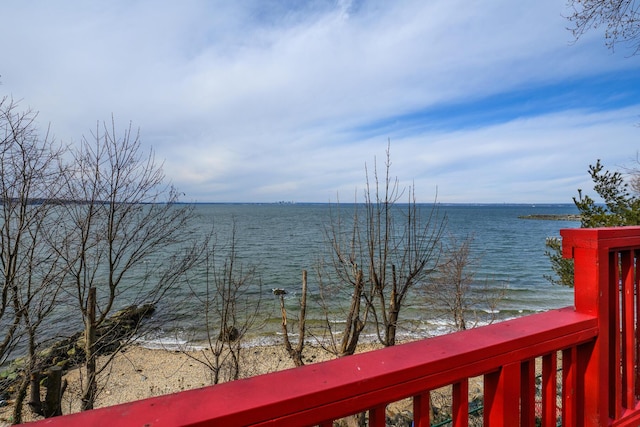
<point x="394" y="311"/>
<point x="295" y="353"/>
<point x="34" y="400"/>
<point x="354" y="325"/>
<point x="390" y="339"/>
<point x="90" y="389"/>
<point x="303" y="314"/>
<point x="22" y="392"/>
<point x="19" y="400"/>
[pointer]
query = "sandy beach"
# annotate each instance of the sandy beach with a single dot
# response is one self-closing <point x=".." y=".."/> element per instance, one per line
<point x="138" y="372"/>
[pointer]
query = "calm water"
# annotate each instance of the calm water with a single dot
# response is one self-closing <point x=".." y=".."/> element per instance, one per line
<point x="281" y="240"/>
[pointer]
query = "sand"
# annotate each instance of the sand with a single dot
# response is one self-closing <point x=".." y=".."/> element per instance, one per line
<point x="138" y="372"/>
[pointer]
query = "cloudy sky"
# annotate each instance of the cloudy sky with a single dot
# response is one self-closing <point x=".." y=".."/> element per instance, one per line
<point x="266" y="100"/>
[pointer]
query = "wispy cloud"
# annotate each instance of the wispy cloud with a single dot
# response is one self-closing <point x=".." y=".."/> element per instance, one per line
<point x="270" y="100"/>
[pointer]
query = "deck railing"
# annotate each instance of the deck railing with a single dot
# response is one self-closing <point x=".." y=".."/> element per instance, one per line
<point x="595" y="343"/>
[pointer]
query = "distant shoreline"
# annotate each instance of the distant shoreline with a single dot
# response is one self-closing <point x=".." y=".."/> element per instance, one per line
<point x="552" y="217"/>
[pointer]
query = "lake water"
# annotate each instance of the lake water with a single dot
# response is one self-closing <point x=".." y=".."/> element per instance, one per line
<point x="281" y="240"/>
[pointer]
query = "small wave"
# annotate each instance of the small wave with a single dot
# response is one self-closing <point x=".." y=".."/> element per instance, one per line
<point x="172" y="344"/>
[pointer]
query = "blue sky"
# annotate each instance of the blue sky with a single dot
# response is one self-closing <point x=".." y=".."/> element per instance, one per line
<point x="258" y="101"/>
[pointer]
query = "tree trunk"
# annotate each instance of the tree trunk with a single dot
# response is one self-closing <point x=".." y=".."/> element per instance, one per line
<point x="19" y="399"/>
<point x="52" y="406"/>
<point x="394" y="312"/>
<point x="53" y="399"/>
<point x="34" y="401"/>
<point x="90" y="388"/>
<point x="390" y="339"/>
<point x="295" y="355"/>
<point x="353" y="325"/>
<point x="303" y="316"/>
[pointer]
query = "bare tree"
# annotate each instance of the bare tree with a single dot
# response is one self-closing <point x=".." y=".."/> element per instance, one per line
<point x="334" y="289"/>
<point x="227" y="293"/>
<point x="123" y="237"/>
<point x="450" y="287"/>
<point x="380" y="256"/>
<point x="454" y="276"/>
<point x="31" y="275"/>
<point x="620" y="18"/>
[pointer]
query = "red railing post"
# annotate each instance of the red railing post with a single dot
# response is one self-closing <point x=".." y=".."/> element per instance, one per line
<point x="606" y="280"/>
<point x="460" y="403"/>
<point x="628" y="320"/>
<point x="502" y="396"/>
<point x="591" y="280"/>
<point x="422" y="410"/>
<point x="569" y="380"/>
<point x="549" y="390"/>
<point x="528" y="393"/>
<point x="377" y="416"/>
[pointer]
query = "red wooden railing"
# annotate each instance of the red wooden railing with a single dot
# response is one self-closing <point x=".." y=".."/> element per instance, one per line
<point x="594" y="343"/>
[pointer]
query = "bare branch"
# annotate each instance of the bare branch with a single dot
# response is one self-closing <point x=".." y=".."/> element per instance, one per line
<point x="619" y="18"/>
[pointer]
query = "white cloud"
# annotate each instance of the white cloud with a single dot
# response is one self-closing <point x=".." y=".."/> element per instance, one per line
<point x="262" y="101"/>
